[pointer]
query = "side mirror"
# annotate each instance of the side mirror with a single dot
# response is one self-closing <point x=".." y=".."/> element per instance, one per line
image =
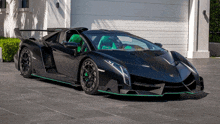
<point x="70" y="45"/>
<point x="158" y="44"/>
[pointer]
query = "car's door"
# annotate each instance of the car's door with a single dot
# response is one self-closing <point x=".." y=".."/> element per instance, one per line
<point x="64" y="58"/>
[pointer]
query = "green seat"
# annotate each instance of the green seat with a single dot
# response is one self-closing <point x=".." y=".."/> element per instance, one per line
<point x="128" y="47"/>
<point x="106" y="43"/>
<point x="75" y="38"/>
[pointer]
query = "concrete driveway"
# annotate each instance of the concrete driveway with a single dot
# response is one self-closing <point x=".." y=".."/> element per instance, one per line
<point x="30" y="101"/>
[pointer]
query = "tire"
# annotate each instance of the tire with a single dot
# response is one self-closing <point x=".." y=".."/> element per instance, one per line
<point x="25" y="63"/>
<point x="89" y="77"/>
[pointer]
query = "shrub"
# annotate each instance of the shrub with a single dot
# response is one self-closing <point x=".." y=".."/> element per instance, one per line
<point x="214" y="35"/>
<point x="9" y="48"/>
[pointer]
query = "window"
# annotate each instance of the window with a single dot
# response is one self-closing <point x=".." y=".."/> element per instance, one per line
<point x="120" y="41"/>
<point x="24" y="3"/>
<point x="132" y="41"/>
<point x="2" y="3"/>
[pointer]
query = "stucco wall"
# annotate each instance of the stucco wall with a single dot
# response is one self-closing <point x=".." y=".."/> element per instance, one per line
<point x="10" y="20"/>
<point x="58" y="17"/>
<point x="33" y="18"/>
<point x="41" y="14"/>
<point x="25" y="18"/>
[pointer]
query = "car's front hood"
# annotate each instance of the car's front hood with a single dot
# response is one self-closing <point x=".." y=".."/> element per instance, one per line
<point x="157" y="65"/>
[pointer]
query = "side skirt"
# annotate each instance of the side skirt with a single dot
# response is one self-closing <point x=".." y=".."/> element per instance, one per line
<point x="75" y="85"/>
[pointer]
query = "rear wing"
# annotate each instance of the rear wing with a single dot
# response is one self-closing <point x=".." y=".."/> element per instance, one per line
<point x="18" y="31"/>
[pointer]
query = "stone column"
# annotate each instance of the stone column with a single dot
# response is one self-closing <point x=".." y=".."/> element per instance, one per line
<point x="203" y="31"/>
<point x="1" y="59"/>
<point x="67" y="13"/>
<point x="198" y="29"/>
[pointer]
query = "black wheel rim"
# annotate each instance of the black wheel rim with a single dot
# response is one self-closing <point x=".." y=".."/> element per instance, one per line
<point x="88" y="76"/>
<point x="25" y="61"/>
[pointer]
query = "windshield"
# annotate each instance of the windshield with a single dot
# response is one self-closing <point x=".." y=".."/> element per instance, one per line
<point x="120" y="41"/>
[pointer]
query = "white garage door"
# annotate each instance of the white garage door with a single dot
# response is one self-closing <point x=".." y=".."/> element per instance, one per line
<point x="163" y="21"/>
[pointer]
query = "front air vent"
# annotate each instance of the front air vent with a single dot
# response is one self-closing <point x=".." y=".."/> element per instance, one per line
<point x="179" y="87"/>
<point x="144" y="84"/>
<point x="189" y="79"/>
<point x="144" y="80"/>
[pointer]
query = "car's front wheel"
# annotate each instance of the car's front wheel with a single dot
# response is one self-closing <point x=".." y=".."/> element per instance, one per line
<point x="25" y="63"/>
<point x="89" y="78"/>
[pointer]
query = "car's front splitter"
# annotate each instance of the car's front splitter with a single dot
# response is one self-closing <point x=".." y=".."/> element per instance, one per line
<point x="148" y="95"/>
<point x="131" y="92"/>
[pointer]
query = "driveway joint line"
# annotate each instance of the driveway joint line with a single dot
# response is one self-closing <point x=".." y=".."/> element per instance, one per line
<point x="9" y="111"/>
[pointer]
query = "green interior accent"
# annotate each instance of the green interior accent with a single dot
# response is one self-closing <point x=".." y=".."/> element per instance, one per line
<point x="128" y="47"/>
<point x="79" y="48"/>
<point x="86" y="74"/>
<point x="85" y="50"/>
<point x="106" y="43"/>
<point x="51" y="79"/>
<point x="143" y="95"/>
<point x="75" y="38"/>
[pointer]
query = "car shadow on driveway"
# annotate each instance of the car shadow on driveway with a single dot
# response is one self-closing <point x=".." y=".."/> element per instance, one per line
<point x="165" y="98"/>
<point x="78" y="88"/>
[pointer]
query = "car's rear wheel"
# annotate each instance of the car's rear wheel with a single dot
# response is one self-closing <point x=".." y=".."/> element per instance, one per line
<point x="25" y="63"/>
<point x="89" y="78"/>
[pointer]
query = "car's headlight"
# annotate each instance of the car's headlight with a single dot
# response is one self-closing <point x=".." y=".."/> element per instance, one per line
<point x="122" y="70"/>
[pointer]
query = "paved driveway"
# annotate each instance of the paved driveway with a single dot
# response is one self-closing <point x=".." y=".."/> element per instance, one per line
<point x="24" y="101"/>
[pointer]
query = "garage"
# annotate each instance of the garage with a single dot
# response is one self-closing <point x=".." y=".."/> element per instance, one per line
<point x="163" y="21"/>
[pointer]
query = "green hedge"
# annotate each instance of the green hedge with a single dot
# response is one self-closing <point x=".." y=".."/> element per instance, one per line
<point x="9" y="48"/>
<point x="214" y="28"/>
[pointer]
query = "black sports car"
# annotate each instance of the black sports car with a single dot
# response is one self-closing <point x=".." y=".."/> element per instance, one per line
<point x="108" y="61"/>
